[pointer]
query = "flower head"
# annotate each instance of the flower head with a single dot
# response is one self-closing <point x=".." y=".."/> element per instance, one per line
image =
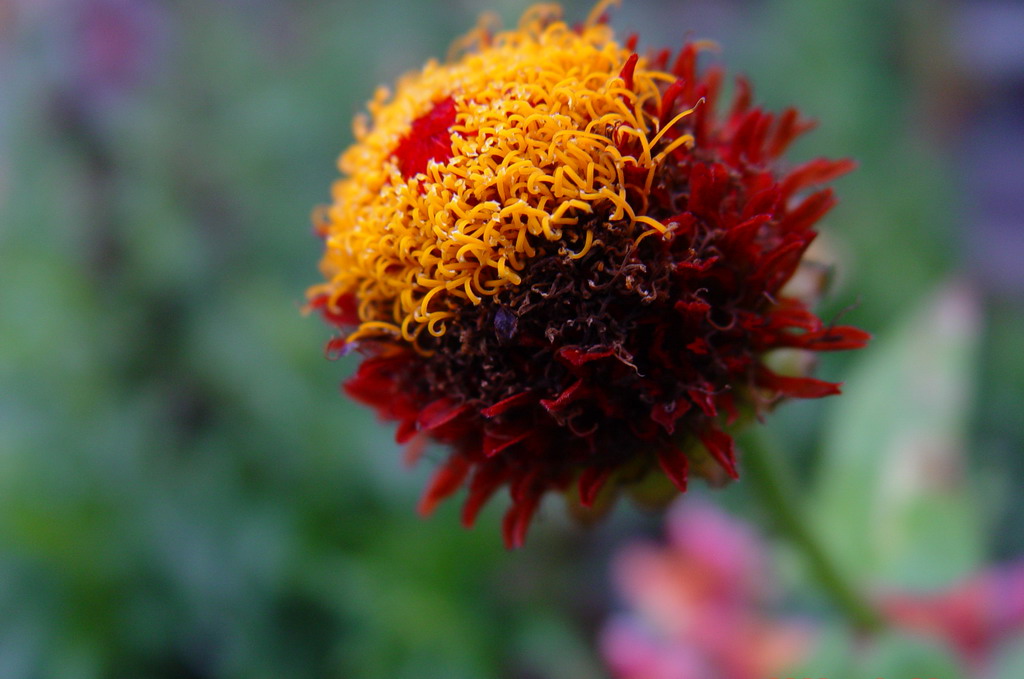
<point x="564" y="264"/>
<point x="700" y="606"/>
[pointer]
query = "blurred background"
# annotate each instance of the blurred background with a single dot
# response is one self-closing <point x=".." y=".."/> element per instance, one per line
<point x="184" y="492"/>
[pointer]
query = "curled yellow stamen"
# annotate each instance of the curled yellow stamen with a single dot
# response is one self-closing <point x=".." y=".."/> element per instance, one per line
<point x="538" y="118"/>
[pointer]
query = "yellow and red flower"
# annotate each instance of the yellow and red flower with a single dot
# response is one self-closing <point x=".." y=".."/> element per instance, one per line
<point x="565" y="265"/>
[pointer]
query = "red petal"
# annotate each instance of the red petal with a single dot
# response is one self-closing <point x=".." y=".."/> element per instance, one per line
<point x="780" y="264"/>
<point x="721" y="447"/>
<point x="660" y="60"/>
<point x="406" y="431"/>
<point x="668" y="99"/>
<point x="591" y="482"/>
<point x="429" y="139"/>
<point x="337" y="347"/>
<point x="676" y="466"/>
<point x="667" y="418"/>
<point x="744" y="234"/>
<point x="804" y="215"/>
<point x="698" y="346"/>
<point x="576" y="357"/>
<point x="765" y="201"/>
<point x="728" y="403"/>
<point x="817" y="171"/>
<point x="793" y="317"/>
<point x="699" y="265"/>
<point x="796" y="387"/>
<point x="704" y="400"/>
<point x="485" y="481"/>
<point x="696" y="308"/>
<point x="414" y="451"/>
<point x="517" y="521"/>
<point x="446" y="481"/>
<point x="837" y="338"/>
<point x="709" y="91"/>
<point x="789" y="128"/>
<point x="524" y="483"/>
<point x="686" y="63"/>
<point x="749" y="137"/>
<point x="522" y="398"/>
<point x="708" y="184"/>
<point x="374" y="381"/>
<point x="344" y="311"/>
<point x="627" y="71"/>
<point x="742" y="98"/>
<point x="493" y="445"/>
<point x="683" y="222"/>
<point x="563" y="399"/>
<point x="439" y="413"/>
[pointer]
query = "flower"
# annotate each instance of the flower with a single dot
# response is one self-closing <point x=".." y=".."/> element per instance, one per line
<point x="974" y="617"/>
<point x="565" y="265"/>
<point x="696" y="607"/>
<point x="704" y="604"/>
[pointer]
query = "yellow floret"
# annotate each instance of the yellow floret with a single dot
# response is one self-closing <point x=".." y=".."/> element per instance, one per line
<point x="538" y="112"/>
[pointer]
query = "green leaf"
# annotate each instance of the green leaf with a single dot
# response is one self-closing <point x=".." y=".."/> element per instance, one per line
<point x="900" y="655"/>
<point x="1009" y="663"/>
<point x="893" y="502"/>
<point x="892" y="654"/>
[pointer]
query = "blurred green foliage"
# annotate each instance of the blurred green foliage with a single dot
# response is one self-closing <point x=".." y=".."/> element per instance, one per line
<point x="184" y="493"/>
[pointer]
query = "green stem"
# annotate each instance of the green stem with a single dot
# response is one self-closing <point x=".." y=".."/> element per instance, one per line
<point x="771" y="481"/>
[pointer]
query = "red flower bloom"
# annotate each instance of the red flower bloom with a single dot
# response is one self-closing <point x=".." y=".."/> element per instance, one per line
<point x="566" y="265"/>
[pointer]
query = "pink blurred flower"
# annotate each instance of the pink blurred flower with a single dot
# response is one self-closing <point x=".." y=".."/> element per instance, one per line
<point x="698" y="608"/>
<point x="973" y="617"/>
<point x="698" y="605"/>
